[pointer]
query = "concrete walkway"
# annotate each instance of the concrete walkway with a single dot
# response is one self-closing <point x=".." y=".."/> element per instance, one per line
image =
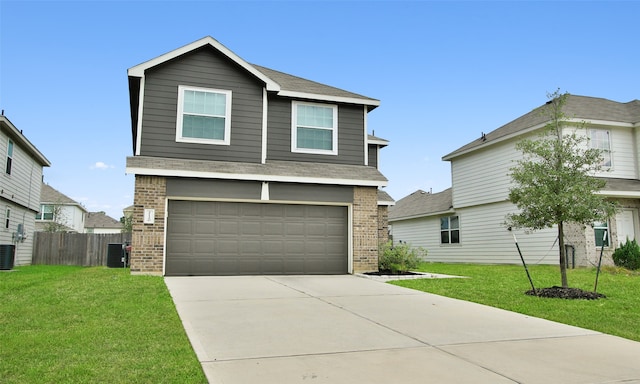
<point x="347" y="329"/>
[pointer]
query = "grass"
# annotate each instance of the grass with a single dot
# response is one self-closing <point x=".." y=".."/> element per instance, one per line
<point x="503" y="286"/>
<point x="62" y="324"/>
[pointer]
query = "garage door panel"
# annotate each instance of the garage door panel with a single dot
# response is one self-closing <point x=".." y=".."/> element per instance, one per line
<point x="276" y="229"/>
<point x="228" y="227"/>
<point x="182" y="227"/>
<point x="229" y="238"/>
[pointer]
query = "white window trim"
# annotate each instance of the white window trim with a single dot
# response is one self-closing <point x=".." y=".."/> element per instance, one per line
<point x="227" y="120"/>
<point x="609" y="151"/>
<point x="450" y="244"/>
<point x="10" y="145"/>
<point x="294" y="129"/>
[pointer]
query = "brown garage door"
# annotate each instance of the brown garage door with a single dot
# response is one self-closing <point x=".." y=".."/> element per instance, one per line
<point x="225" y="238"/>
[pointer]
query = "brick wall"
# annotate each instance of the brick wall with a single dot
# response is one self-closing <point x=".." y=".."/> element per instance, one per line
<point x="365" y="229"/>
<point x="383" y="224"/>
<point x="147" y="240"/>
<point x="582" y="237"/>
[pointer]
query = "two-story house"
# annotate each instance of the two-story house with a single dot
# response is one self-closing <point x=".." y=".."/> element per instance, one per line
<point x="59" y="213"/>
<point x="19" y="190"/>
<point x="241" y="169"/>
<point x="465" y="223"/>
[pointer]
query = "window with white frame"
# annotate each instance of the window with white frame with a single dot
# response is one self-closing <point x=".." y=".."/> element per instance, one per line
<point x="450" y="230"/>
<point x="9" y="156"/>
<point x="46" y="212"/>
<point x="601" y="139"/>
<point x="7" y="218"/>
<point x="204" y="115"/>
<point x="601" y="233"/>
<point x="314" y="128"/>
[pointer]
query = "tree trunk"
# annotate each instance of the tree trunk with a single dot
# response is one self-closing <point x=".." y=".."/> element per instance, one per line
<point x="563" y="256"/>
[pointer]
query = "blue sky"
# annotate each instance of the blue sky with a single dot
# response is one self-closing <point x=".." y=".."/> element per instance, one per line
<point x="444" y="71"/>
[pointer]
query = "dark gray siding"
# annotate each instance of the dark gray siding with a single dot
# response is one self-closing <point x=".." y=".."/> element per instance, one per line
<point x="350" y="135"/>
<point x="251" y="190"/>
<point x="213" y="189"/>
<point x="373" y="156"/>
<point x="310" y="192"/>
<point x="203" y="68"/>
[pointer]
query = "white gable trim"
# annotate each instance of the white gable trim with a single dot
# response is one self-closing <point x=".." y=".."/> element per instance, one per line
<point x="335" y="99"/>
<point x="138" y="70"/>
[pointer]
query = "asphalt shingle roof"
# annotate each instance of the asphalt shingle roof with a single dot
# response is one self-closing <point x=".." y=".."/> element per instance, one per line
<point x="298" y="84"/>
<point x="421" y="203"/>
<point x="289" y="170"/>
<point x="576" y="107"/>
<point x="101" y="220"/>
<point x="50" y="195"/>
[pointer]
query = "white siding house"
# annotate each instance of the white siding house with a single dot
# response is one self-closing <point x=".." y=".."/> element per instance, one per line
<point x="467" y="223"/>
<point x="57" y="208"/>
<point x="20" y="186"/>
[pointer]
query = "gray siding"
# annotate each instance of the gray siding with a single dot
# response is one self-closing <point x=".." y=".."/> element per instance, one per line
<point x="21" y="194"/>
<point x="483" y="238"/>
<point x="350" y="135"/>
<point x="251" y="190"/>
<point x="202" y="68"/>
<point x="312" y="193"/>
<point x="214" y="189"/>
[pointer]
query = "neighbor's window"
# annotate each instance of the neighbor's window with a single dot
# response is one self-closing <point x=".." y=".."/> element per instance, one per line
<point x="204" y="115"/>
<point x="602" y="238"/>
<point x="450" y="230"/>
<point x="46" y="212"/>
<point x="601" y="139"/>
<point x="9" y="156"/>
<point x="6" y="222"/>
<point x="314" y="128"/>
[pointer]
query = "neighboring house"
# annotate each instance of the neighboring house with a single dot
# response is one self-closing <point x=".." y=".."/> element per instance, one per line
<point x="59" y="213"/>
<point x="465" y="223"/>
<point x="99" y="222"/>
<point x="240" y="169"/>
<point x="19" y="189"/>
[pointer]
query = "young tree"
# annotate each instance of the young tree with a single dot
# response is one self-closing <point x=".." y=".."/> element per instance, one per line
<point x="554" y="183"/>
<point x="59" y="221"/>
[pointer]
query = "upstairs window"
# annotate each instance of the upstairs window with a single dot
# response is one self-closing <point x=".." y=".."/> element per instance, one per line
<point x="601" y="139"/>
<point x="314" y="128"/>
<point x="46" y="212"/>
<point x="449" y="230"/>
<point x="601" y="232"/>
<point x="9" y="156"/>
<point x="204" y="115"/>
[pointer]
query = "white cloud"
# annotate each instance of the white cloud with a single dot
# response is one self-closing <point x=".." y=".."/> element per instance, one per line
<point x="101" y="165"/>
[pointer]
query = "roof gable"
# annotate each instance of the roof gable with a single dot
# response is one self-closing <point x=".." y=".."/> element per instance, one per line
<point x="281" y="83"/>
<point x="576" y="108"/>
<point x="50" y="195"/>
<point x="138" y="70"/>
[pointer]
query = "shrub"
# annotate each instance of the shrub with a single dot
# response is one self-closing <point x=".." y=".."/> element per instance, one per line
<point x="399" y="258"/>
<point x="628" y="255"/>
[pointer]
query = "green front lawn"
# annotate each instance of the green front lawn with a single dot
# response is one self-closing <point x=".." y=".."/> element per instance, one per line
<point x="503" y="286"/>
<point x="63" y="324"/>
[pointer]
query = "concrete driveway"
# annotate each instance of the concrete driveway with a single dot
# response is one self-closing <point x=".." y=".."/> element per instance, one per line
<point x="348" y="329"/>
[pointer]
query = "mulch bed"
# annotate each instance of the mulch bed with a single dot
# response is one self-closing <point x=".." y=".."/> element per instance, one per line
<point x="387" y="272"/>
<point x="566" y="293"/>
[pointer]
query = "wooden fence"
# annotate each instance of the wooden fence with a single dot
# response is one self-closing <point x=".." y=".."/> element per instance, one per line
<point x="83" y="249"/>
